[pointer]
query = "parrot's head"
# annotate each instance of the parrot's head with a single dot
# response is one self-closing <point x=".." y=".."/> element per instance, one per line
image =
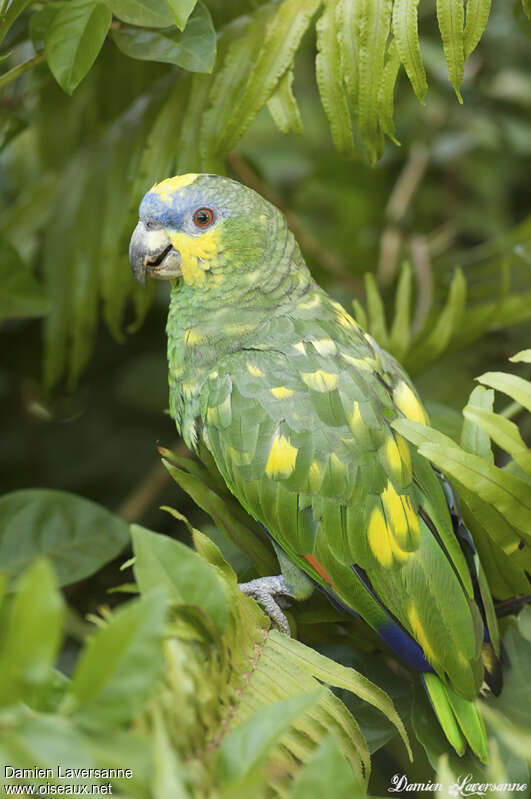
<point x="203" y="228"/>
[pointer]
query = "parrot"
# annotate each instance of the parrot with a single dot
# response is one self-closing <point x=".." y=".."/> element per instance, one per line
<point x="295" y="402"/>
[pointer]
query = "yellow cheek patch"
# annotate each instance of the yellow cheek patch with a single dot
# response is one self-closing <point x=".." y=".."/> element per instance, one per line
<point x="281" y="392"/>
<point x="319" y="380"/>
<point x="381" y="541"/>
<point x="419" y="634"/>
<point x="196" y="252"/>
<point x="167" y="187"/>
<point x="405" y="400"/>
<point x="254" y="370"/>
<point x="282" y="457"/>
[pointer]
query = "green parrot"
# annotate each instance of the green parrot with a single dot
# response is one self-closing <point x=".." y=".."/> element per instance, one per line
<point x="295" y="402"/>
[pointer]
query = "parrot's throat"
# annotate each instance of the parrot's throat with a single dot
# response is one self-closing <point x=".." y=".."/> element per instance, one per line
<point x="226" y="316"/>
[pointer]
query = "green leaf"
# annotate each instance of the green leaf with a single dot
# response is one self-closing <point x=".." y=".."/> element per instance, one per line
<point x="279" y="44"/>
<point x="508" y="494"/>
<point x="78" y="536"/>
<point x="20" y="294"/>
<point x="515" y="387"/>
<point x="283" y="106"/>
<point x="32" y="636"/>
<point x="524" y="356"/>
<point x="119" y="668"/>
<point x="40" y="22"/>
<point x="168" y="772"/>
<point x="503" y="432"/>
<point x="375" y="306"/>
<point x="348" y="24"/>
<point x="473" y="438"/>
<point x="327" y="774"/>
<point x="405" y="29"/>
<point x="386" y="95"/>
<point x="401" y="328"/>
<point x="330" y="79"/>
<point x="181" y="10"/>
<point x="15" y="9"/>
<point x="144" y="13"/>
<point x="227" y="515"/>
<point x="46" y="741"/>
<point x="374" y="21"/>
<point x="430" y="347"/>
<point x="526" y="5"/>
<point x="184" y="575"/>
<point x="339" y="676"/>
<point x="451" y="18"/>
<point x="194" y="49"/>
<point x="74" y="39"/>
<point x="477" y="16"/>
<point x="247" y="746"/>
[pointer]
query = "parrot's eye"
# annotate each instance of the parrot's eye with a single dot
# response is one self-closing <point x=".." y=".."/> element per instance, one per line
<point x="203" y="217"/>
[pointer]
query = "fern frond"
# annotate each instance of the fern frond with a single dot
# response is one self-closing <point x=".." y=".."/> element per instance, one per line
<point x="405" y="29"/>
<point x="283" y="106"/>
<point x="477" y="16"/>
<point x="375" y="24"/>
<point x="330" y="45"/>
<point x="451" y="18"/>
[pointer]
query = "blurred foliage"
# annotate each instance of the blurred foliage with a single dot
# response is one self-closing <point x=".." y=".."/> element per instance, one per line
<point x="97" y="102"/>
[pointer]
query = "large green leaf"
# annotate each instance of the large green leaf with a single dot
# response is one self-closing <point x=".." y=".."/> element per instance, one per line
<point x="161" y="561"/>
<point x="77" y="535"/>
<point x="249" y="744"/>
<point x="74" y="39"/>
<point x="327" y="775"/>
<point x="194" y="49"/>
<point x="508" y="494"/>
<point x="503" y="432"/>
<point x="32" y="636"/>
<point x="21" y="295"/>
<point x="181" y="11"/>
<point x="120" y="665"/>
<point x="515" y="387"/>
<point x="144" y="13"/>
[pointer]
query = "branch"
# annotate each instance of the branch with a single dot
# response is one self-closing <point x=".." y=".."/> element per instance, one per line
<point x="147" y="489"/>
<point x="512" y="605"/>
<point x="399" y="201"/>
<point x="16" y="72"/>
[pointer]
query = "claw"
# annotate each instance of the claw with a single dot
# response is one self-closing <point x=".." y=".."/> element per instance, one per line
<point x="266" y="591"/>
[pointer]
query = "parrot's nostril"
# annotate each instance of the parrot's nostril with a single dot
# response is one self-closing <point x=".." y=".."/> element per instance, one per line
<point x="156" y="260"/>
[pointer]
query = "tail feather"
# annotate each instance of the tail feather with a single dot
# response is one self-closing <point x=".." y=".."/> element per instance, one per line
<point x="459" y="718"/>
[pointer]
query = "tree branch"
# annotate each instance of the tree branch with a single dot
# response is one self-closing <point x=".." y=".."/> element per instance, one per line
<point x="20" y="69"/>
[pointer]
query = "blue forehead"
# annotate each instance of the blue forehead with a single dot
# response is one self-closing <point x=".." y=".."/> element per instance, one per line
<point x="170" y="210"/>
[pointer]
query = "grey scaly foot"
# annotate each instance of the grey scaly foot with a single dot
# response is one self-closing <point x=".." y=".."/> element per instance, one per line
<point x="267" y="591"/>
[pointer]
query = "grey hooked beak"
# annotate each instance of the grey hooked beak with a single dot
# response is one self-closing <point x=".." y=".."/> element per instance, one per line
<point x="151" y="253"/>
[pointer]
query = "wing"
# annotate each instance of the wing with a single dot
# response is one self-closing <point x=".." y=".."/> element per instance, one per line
<point x="300" y="430"/>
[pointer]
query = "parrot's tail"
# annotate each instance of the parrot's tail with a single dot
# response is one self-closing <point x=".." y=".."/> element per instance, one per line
<point x="459" y="718"/>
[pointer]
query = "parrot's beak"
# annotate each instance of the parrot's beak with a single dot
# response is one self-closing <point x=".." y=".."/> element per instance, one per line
<point x="151" y="253"/>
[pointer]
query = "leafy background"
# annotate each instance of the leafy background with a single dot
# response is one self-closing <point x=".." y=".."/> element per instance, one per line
<point x="430" y="238"/>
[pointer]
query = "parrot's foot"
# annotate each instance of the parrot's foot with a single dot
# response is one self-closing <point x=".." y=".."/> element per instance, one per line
<point x="268" y="592"/>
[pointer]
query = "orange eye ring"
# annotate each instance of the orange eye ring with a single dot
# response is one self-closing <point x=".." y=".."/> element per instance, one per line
<point x="203" y="217"/>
